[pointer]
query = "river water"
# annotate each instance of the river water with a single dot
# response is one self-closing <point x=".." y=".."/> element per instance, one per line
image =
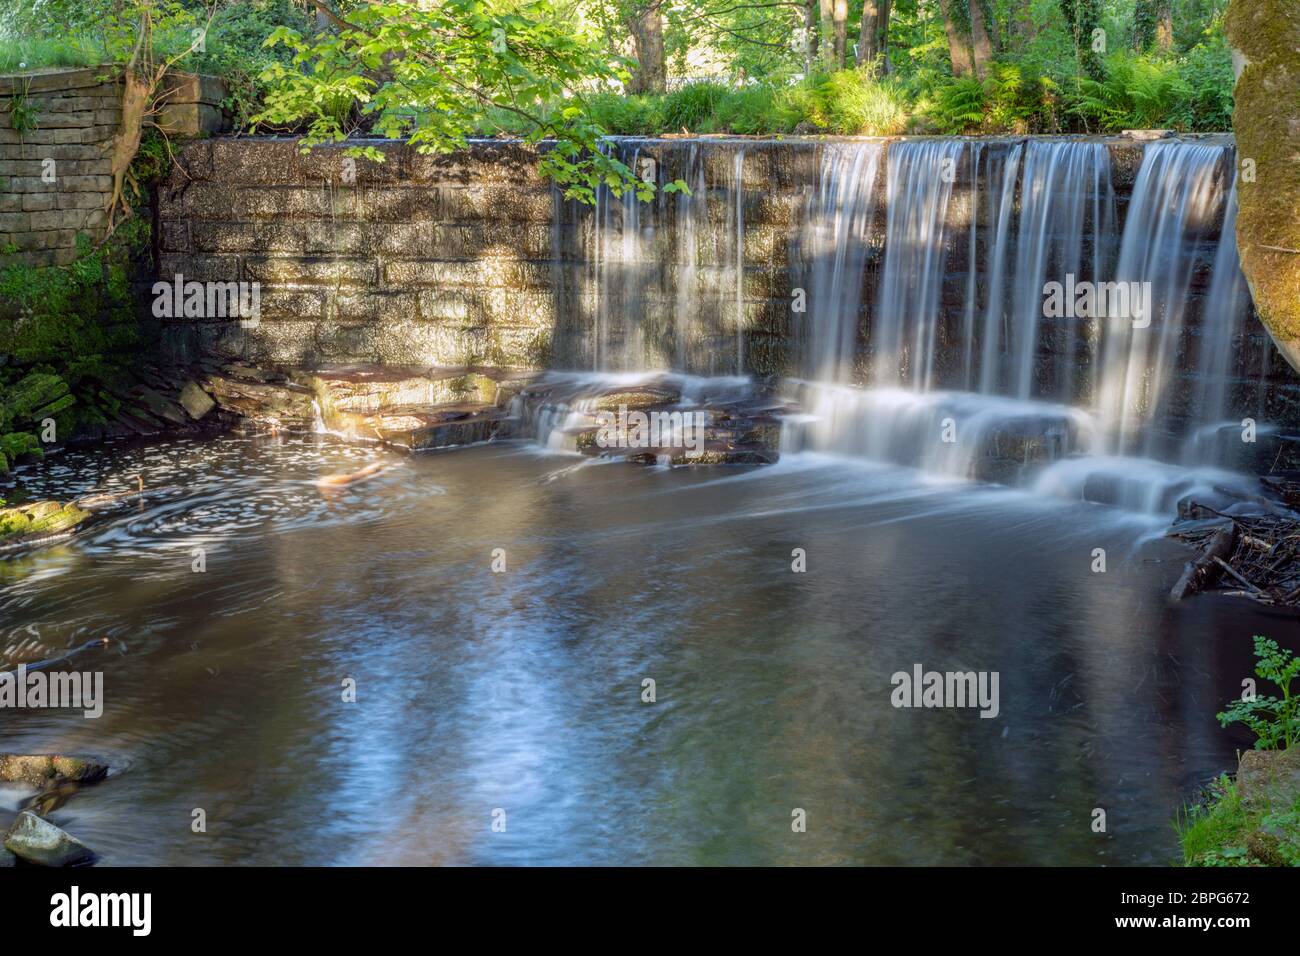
<point x="516" y="696"/>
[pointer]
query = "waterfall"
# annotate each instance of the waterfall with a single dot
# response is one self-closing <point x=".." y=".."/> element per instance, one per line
<point x="668" y="284"/>
<point x="1002" y="175"/>
<point x="1178" y="192"/>
<point x="1066" y="198"/>
<point x="940" y="306"/>
<point x="918" y="187"/>
<point x="836" y="241"/>
<point x="1051" y="402"/>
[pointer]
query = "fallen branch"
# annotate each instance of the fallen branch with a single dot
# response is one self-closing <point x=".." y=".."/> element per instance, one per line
<point x="1201" y="573"/>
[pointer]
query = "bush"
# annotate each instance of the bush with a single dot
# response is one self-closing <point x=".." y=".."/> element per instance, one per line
<point x="858" y="104"/>
<point x="1275" y="721"/>
<point x="692" y="107"/>
<point x="627" y="115"/>
<point x="1139" y="92"/>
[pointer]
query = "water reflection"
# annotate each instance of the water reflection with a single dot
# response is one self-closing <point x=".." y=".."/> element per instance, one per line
<point x="521" y="691"/>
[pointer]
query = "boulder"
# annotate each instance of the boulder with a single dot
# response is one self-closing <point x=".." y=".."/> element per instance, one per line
<point x="1269" y="778"/>
<point x="1265" y="40"/>
<point x="38" y="841"/>
<point x="40" y="519"/>
<point x="195" y="401"/>
<point x="44" y="770"/>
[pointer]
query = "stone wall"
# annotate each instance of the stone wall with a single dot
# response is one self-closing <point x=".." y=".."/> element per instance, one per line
<point x="472" y="259"/>
<point x="415" y="260"/>
<point x="56" y="132"/>
<point x="55" y="178"/>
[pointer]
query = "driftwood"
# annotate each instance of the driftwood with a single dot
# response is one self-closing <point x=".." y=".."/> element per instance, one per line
<point x="103" y="499"/>
<point x="1206" y="569"/>
<point x="1255" y="556"/>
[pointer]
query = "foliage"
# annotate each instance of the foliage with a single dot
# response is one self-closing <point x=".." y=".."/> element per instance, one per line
<point x="1137" y="93"/>
<point x="853" y="103"/>
<point x="69" y="335"/>
<point x="434" y="76"/>
<point x="1222" y="831"/>
<point x="1275" y="721"/>
<point x="564" y="60"/>
<point x="69" y="332"/>
<point x="22" y="114"/>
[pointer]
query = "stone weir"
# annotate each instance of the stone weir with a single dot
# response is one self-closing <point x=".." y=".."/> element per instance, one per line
<point x="918" y="262"/>
<point x="471" y="258"/>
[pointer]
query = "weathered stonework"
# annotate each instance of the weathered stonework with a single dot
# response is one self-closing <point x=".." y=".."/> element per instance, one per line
<point x="471" y="259"/>
<point x="425" y="260"/>
<point x="55" y="167"/>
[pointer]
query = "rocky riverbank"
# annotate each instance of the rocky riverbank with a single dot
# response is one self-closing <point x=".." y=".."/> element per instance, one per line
<point x="52" y="780"/>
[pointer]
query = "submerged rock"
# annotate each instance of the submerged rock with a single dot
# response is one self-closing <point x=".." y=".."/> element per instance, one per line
<point x="38" y="841"/>
<point x="45" y="770"/>
<point x="40" y="519"/>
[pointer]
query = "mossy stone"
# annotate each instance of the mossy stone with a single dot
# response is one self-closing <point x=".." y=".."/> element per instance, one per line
<point x="1266" y="120"/>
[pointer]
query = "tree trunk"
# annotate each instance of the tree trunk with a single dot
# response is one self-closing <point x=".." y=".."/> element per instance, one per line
<point x="650" y="75"/>
<point x="813" y="27"/>
<point x="1164" y="25"/>
<point x="839" y="30"/>
<point x="1144" y="25"/>
<point x="981" y="44"/>
<point x="828" y="49"/>
<point x="1266" y="119"/>
<point x="958" y="52"/>
<point x="885" y="6"/>
<point x="875" y="30"/>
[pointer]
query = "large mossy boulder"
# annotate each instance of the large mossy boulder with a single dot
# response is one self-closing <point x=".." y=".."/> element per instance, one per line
<point x="1265" y="37"/>
<point x="39" y="519"/>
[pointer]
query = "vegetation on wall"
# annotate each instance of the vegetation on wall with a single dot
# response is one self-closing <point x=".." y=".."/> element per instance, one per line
<point x="70" y="335"/>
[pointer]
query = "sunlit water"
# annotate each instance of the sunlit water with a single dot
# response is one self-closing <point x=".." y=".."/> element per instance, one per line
<point x="522" y="691"/>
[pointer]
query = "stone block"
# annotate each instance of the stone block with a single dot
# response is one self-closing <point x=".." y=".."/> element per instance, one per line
<point x="314" y="271"/>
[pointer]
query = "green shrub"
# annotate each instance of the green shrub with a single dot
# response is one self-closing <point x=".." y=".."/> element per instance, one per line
<point x="858" y="104"/>
<point x="692" y="107"/>
<point x="1138" y="92"/>
<point x="958" y="106"/>
<point x="1275" y="721"/>
<point x="1207" y="69"/>
<point x="627" y="115"/>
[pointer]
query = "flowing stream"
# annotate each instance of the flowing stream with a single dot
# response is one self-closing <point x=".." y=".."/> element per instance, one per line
<point x="500" y="607"/>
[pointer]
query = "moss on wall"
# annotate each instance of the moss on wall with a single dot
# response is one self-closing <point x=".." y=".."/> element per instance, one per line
<point x="1266" y="34"/>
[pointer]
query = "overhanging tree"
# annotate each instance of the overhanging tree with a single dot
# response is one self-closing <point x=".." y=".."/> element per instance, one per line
<point x="437" y="74"/>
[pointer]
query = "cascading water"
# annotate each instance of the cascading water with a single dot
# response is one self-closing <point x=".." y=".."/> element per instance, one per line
<point x="1042" y="212"/>
<point x="919" y="186"/>
<point x="836" y="242"/>
<point x="667" y="286"/>
<point x="1066" y="215"/>
<point x="967" y="370"/>
<point x="1179" y="190"/>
